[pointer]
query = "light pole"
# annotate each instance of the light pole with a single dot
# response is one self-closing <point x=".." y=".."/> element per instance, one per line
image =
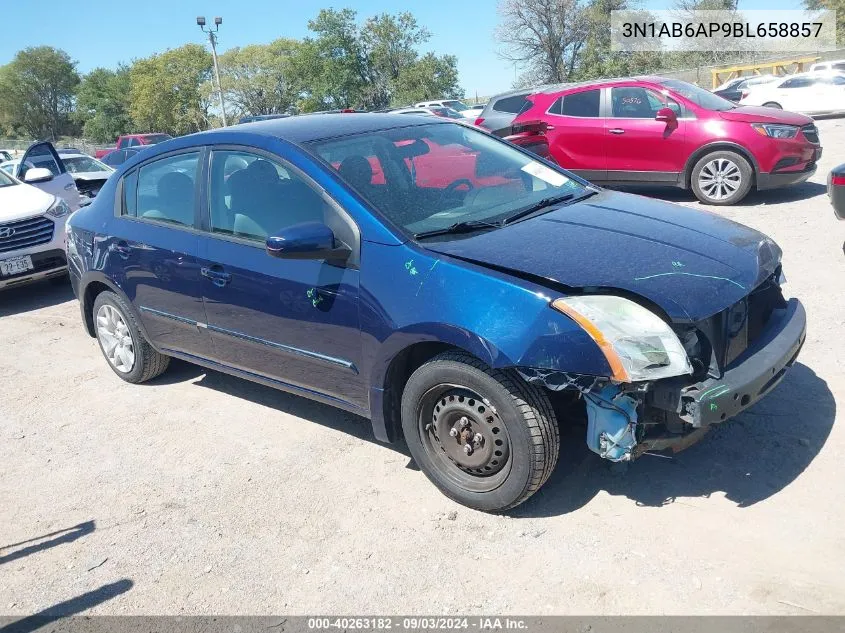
<point x="212" y="38"/>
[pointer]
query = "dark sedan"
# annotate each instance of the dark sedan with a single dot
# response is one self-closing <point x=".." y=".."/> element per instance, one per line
<point x="465" y="295"/>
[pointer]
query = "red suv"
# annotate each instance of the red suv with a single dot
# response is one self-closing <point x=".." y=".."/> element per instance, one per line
<point x="665" y="131"/>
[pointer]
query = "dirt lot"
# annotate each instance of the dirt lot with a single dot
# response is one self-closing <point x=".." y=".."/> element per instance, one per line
<point x="201" y="493"/>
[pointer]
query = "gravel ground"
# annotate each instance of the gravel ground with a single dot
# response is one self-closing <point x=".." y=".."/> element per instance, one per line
<point x="201" y="493"/>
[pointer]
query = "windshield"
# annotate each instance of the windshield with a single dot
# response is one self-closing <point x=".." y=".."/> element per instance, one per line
<point x="455" y="105"/>
<point x="152" y="139"/>
<point x="428" y="177"/>
<point x="81" y="164"/>
<point x="5" y="180"/>
<point x="699" y="96"/>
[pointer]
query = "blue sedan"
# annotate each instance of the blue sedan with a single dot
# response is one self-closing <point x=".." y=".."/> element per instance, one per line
<point x="465" y="295"/>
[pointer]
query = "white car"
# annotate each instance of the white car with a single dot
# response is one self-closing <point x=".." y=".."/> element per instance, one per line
<point x="41" y="166"/>
<point x="32" y="233"/>
<point x="459" y="106"/>
<point x="836" y="65"/>
<point x="809" y="93"/>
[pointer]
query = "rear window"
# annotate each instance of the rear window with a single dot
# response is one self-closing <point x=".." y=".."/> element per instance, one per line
<point x="511" y="105"/>
<point x="581" y="104"/>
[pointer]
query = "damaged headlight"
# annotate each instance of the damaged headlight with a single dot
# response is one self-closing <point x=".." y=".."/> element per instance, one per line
<point x="637" y="343"/>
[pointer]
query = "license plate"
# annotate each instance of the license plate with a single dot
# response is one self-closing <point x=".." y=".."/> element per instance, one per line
<point x="15" y="265"/>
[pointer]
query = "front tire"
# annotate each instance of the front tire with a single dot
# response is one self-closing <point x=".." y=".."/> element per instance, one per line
<point x="453" y="402"/>
<point x="124" y="347"/>
<point x="721" y="178"/>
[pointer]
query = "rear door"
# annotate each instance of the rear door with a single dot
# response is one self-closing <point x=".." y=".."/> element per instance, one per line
<point x="638" y="147"/>
<point x="154" y="254"/>
<point x="576" y="133"/>
<point x="43" y="155"/>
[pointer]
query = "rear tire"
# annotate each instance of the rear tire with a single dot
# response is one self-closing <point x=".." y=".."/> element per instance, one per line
<point x="508" y="424"/>
<point x="772" y="104"/>
<point x="124" y="347"/>
<point x="721" y="178"/>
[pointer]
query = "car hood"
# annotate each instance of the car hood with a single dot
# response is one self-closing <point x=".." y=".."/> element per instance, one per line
<point x="18" y="202"/>
<point x="691" y="263"/>
<point x="759" y="114"/>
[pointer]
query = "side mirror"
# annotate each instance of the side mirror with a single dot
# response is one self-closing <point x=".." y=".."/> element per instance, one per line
<point x="667" y="116"/>
<point x="38" y="174"/>
<point x="310" y="240"/>
<point x="836" y="190"/>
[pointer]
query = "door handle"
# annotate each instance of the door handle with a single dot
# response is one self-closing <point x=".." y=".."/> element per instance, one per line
<point x="616" y="130"/>
<point x="550" y="127"/>
<point x="216" y="275"/>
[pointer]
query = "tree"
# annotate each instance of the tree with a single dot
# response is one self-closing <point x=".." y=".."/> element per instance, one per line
<point x="369" y="67"/>
<point x="830" y="5"/>
<point x="258" y="79"/>
<point x="547" y="36"/>
<point x="166" y="91"/>
<point x="102" y="104"/>
<point x="38" y="86"/>
<point x="432" y="77"/>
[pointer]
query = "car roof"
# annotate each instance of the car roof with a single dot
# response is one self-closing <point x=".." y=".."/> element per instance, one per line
<point x="305" y="129"/>
<point x="553" y="88"/>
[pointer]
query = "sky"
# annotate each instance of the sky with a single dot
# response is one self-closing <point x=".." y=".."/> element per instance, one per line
<point x="105" y="32"/>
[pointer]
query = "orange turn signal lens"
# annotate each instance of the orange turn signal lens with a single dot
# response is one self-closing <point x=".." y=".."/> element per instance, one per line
<point x="620" y="374"/>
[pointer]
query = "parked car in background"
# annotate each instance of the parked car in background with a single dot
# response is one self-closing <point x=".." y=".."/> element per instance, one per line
<point x="834" y="65"/>
<point x="133" y="140"/>
<point x="473" y="111"/>
<point x="88" y="173"/>
<point x="68" y="150"/>
<point x="262" y="117"/>
<point x="119" y="156"/>
<point x="453" y="104"/>
<point x="469" y="313"/>
<point x="668" y="132"/>
<point x="810" y="93"/>
<point x="5" y="155"/>
<point x="42" y="167"/>
<point x="411" y="110"/>
<point x="502" y="109"/>
<point x="531" y="136"/>
<point x="733" y="90"/>
<point x="32" y="232"/>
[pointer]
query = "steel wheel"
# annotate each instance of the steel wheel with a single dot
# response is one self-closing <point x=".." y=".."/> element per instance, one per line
<point x="115" y="339"/>
<point x="720" y="179"/>
<point x="463" y="433"/>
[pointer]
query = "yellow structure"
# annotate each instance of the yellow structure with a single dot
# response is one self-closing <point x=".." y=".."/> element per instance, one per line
<point x="778" y="67"/>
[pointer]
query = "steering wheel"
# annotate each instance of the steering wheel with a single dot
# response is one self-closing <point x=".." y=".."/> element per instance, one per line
<point x="460" y="182"/>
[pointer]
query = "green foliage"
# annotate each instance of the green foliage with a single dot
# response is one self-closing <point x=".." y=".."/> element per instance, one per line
<point x="831" y="5"/>
<point x="257" y="79"/>
<point x="102" y="104"/>
<point x="370" y="67"/>
<point x="166" y="91"/>
<point x="37" y="89"/>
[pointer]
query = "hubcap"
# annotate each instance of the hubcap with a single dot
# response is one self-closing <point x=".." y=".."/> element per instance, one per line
<point x="720" y="178"/>
<point x="115" y="339"/>
<point x="465" y="434"/>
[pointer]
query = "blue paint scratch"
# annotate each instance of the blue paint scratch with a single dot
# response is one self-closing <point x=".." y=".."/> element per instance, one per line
<point x="424" y="279"/>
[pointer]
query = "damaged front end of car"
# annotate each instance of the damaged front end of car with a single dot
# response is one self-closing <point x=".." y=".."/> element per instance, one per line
<point x="671" y="381"/>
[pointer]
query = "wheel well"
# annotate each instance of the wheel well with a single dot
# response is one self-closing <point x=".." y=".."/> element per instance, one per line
<point x="719" y="147"/>
<point x="91" y="291"/>
<point x="400" y="369"/>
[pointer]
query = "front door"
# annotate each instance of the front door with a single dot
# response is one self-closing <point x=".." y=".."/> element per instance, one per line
<point x="155" y="259"/>
<point x="576" y="134"/>
<point x="43" y="155"/>
<point x="640" y="149"/>
<point x="293" y="321"/>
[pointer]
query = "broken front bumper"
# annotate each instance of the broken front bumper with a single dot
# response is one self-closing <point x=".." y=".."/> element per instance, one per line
<point x="750" y="377"/>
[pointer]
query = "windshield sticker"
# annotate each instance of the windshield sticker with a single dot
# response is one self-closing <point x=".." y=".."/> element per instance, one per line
<point x="544" y="173"/>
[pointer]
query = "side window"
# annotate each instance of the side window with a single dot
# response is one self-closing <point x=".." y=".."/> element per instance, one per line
<point x="134" y="142"/>
<point x="253" y="197"/>
<point x="633" y="102"/>
<point x="797" y="82"/>
<point x="582" y="104"/>
<point x="121" y="143"/>
<point x="165" y="190"/>
<point x="557" y="106"/>
<point x="511" y="105"/>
